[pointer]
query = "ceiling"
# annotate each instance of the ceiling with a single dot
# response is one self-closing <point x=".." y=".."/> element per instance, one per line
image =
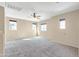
<point x="46" y="10"/>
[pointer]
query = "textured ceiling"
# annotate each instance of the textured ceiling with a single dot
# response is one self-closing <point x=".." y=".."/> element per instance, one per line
<point x="46" y="10"/>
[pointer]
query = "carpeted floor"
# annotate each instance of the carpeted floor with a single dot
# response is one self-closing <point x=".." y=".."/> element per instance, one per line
<point x="38" y="47"/>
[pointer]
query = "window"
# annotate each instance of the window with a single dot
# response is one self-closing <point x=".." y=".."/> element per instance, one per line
<point x="62" y="24"/>
<point x="34" y="27"/>
<point x="43" y="27"/>
<point x="12" y="25"/>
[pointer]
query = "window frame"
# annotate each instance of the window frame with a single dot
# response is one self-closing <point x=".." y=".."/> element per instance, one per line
<point x="62" y="24"/>
<point x="43" y="27"/>
<point x="12" y="25"/>
<point x="33" y="26"/>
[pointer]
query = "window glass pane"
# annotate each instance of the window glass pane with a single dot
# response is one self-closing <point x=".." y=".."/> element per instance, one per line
<point x="12" y="25"/>
<point x="62" y="24"/>
<point x="34" y="27"/>
<point x="44" y="27"/>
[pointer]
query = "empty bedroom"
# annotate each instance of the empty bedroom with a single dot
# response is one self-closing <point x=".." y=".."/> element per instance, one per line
<point x="41" y="29"/>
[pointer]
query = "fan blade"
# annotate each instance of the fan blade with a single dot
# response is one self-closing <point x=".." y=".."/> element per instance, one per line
<point x="34" y="15"/>
<point x="38" y="16"/>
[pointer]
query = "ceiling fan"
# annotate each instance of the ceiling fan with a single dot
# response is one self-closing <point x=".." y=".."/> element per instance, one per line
<point x="35" y="15"/>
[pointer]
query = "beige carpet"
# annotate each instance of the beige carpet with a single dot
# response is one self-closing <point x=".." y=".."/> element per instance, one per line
<point x="38" y="47"/>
